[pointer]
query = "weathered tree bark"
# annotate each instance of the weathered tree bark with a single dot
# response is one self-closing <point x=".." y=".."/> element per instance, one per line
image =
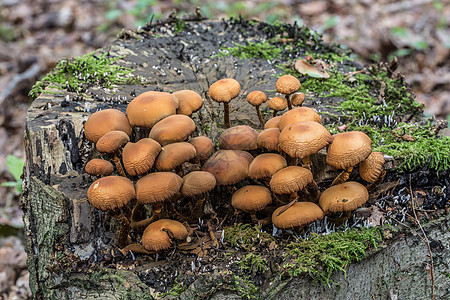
<point x="69" y="243"/>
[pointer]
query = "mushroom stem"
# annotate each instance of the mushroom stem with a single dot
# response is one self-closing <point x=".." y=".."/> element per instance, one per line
<point x="226" y="115"/>
<point x="374" y="184"/>
<point x="136" y="214"/>
<point x="341" y="219"/>
<point x="118" y="164"/>
<point x="179" y="170"/>
<point x="261" y="120"/>
<point x="262" y="222"/>
<point x="141" y="225"/>
<point x="137" y="248"/>
<point x="306" y="163"/>
<point x="214" y="240"/>
<point x="313" y="192"/>
<point x="294" y="198"/>
<point x="175" y="214"/>
<point x="288" y="99"/>
<point x="341" y="178"/>
<point x="124" y="227"/>
<point x="197" y="210"/>
<point x="274" y="113"/>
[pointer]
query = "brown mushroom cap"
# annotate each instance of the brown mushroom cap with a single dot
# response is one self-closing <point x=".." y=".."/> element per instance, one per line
<point x="348" y="149"/>
<point x="197" y="182"/>
<point x="251" y="198"/>
<point x="298" y="114"/>
<point x="175" y="128"/>
<point x="104" y="121"/>
<point x="297" y="99"/>
<point x="287" y="84"/>
<point x="99" y="167"/>
<point x="256" y="98"/>
<point x="268" y="139"/>
<point x="112" y="141"/>
<point x="224" y="90"/>
<point x="299" y="214"/>
<point x="189" y="102"/>
<point x="173" y="155"/>
<point x="240" y="137"/>
<point x="138" y="158"/>
<point x="155" y="237"/>
<point x="343" y="197"/>
<point x="265" y="165"/>
<point x="277" y="103"/>
<point x="303" y="139"/>
<point x="111" y="192"/>
<point x="157" y="187"/>
<point x="148" y="108"/>
<point x="370" y="169"/>
<point x="204" y="147"/>
<point x="272" y="122"/>
<point x="290" y="180"/>
<point x="228" y="166"/>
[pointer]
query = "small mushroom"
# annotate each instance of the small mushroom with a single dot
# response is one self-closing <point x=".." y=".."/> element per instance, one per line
<point x="195" y="185"/>
<point x="277" y="104"/>
<point x="240" y="137"/>
<point x="228" y="166"/>
<point x="251" y="199"/>
<point x="163" y="234"/>
<point x="99" y="167"/>
<point x="172" y="156"/>
<point x="104" y="121"/>
<point x="172" y="129"/>
<point x="371" y="169"/>
<point x="139" y="158"/>
<point x="297" y="215"/>
<point x="189" y="102"/>
<point x="287" y="85"/>
<point x="298" y="114"/>
<point x="297" y="99"/>
<point x="224" y="90"/>
<point x="265" y="165"/>
<point x="204" y="147"/>
<point x="273" y="122"/>
<point x="112" y="143"/>
<point x="268" y="139"/>
<point x="256" y="98"/>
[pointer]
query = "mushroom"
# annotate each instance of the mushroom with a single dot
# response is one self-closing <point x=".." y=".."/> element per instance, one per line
<point x="104" y="121"/>
<point x="273" y="122"/>
<point x="240" y="137"/>
<point x="256" y="98"/>
<point x="277" y="104"/>
<point x="110" y="194"/>
<point x="302" y="139"/>
<point x="228" y="166"/>
<point x="287" y="85"/>
<point x="189" y="102"/>
<point x="298" y="114"/>
<point x="138" y="158"/>
<point x="297" y="99"/>
<point x="111" y="143"/>
<point x="99" y="167"/>
<point x="224" y="90"/>
<point x="172" y="156"/>
<point x="268" y="139"/>
<point x="154" y="188"/>
<point x="343" y="198"/>
<point x="371" y="170"/>
<point x="162" y="234"/>
<point x="251" y="199"/>
<point x="195" y="185"/>
<point x="175" y="128"/>
<point x="346" y="151"/>
<point x="297" y="215"/>
<point x="203" y="146"/>
<point x="265" y="165"/>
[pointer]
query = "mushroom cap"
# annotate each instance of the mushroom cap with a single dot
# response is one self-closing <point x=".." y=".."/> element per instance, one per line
<point x="148" y="108"/>
<point x="251" y="198"/>
<point x="343" y="197"/>
<point x="298" y="114"/>
<point x="269" y="139"/>
<point x="174" y="128"/>
<point x="299" y="214"/>
<point x="297" y="99"/>
<point x="277" y="103"/>
<point x="224" y="90"/>
<point x="265" y="165"/>
<point x="112" y="141"/>
<point x="189" y="102"/>
<point x="155" y="238"/>
<point x="204" y="147"/>
<point x="197" y="182"/>
<point x="370" y="169"/>
<point x="256" y="98"/>
<point x="157" y="187"/>
<point x="348" y="149"/>
<point x="173" y="155"/>
<point x="104" y="121"/>
<point x="228" y="166"/>
<point x="272" y="122"/>
<point x="99" y="167"/>
<point x="303" y="139"/>
<point x="111" y="192"/>
<point x="287" y="84"/>
<point x="138" y="158"/>
<point x="290" y="180"/>
<point x="240" y="137"/>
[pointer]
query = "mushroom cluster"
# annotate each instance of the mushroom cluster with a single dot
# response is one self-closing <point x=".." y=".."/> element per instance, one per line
<point x="159" y="163"/>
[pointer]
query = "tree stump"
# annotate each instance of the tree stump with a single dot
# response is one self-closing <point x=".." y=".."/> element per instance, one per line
<point x="70" y="245"/>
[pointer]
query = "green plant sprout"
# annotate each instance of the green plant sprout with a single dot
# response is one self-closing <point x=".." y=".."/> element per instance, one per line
<point x="15" y="167"/>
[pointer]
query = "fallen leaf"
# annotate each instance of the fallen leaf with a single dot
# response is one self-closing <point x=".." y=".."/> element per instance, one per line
<point x="306" y="68"/>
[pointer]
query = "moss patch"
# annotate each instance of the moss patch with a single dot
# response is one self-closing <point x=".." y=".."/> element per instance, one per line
<point x="262" y="50"/>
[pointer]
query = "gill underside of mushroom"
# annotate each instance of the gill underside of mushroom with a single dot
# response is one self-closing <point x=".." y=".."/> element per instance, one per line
<point x="293" y="200"/>
<point x="374" y="184"/>
<point x="341" y="178"/>
<point x="122" y="237"/>
<point x="338" y="220"/>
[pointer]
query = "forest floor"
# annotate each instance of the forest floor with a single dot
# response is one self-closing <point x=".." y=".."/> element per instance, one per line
<point x="35" y="35"/>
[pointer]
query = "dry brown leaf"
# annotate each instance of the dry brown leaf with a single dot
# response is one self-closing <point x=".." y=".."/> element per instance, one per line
<point x="306" y="68"/>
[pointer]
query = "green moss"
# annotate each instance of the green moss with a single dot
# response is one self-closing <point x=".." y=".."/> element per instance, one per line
<point x="253" y="262"/>
<point x="321" y="256"/>
<point x="246" y="288"/>
<point x="92" y="68"/>
<point x="262" y="50"/>
<point x="176" y="290"/>
<point x="246" y="236"/>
